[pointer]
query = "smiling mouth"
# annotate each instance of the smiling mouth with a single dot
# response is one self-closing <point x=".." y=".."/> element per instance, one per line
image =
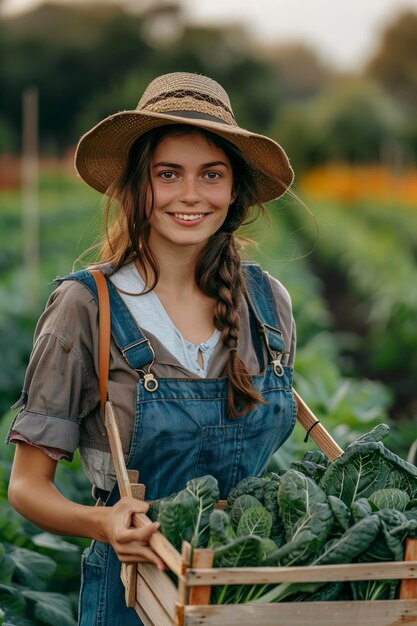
<point x="189" y="217"/>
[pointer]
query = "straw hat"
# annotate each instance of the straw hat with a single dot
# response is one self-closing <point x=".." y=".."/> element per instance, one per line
<point x="180" y="98"/>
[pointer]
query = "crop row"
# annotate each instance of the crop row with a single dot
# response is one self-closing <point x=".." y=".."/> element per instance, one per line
<point x="367" y="264"/>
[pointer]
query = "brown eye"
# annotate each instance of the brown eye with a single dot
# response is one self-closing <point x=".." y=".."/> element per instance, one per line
<point x="167" y="175"/>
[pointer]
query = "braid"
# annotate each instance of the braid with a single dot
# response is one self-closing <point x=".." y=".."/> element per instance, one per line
<point x="229" y="284"/>
<point x="225" y="283"/>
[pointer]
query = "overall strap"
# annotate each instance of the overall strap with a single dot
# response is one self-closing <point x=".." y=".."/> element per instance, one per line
<point x="135" y="348"/>
<point x="262" y="304"/>
<point x="104" y="337"/>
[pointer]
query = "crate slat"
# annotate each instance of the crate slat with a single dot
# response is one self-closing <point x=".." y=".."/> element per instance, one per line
<point x="377" y="613"/>
<point x="310" y="573"/>
<point x="160" y="585"/>
<point x="145" y="619"/>
<point x="150" y="604"/>
<point x="128" y="577"/>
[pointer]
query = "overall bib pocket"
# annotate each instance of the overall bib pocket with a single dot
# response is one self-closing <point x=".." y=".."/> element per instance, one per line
<point x="220" y="451"/>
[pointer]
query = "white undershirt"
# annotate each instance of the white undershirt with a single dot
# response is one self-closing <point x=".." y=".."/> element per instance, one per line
<point x="150" y="315"/>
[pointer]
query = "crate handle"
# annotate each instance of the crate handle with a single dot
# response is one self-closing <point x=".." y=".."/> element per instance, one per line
<point x="315" y="428"/>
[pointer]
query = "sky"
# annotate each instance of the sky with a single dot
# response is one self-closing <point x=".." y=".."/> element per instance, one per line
<point x="343" y="32"/>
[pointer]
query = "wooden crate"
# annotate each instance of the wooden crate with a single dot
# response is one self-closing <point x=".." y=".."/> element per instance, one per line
<point x="159" y="602"/>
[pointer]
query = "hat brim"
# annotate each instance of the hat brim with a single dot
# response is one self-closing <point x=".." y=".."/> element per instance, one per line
<point x="102" y="152"/>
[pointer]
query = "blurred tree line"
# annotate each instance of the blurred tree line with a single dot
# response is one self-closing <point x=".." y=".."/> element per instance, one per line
<point x="90" y="60"/>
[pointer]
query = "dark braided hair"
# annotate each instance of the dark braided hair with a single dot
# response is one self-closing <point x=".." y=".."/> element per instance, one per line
<point x="218" y="270"/>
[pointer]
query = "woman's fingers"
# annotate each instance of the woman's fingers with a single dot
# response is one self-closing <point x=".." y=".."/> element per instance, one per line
<point x="131" y="544"/>
<point x="120" y="515"/>
<point x="138" y="552"/>
<point x="128" y="506"/>
<point x="141" y="534"/>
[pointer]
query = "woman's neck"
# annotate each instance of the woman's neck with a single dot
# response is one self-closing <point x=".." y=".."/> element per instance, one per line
<point x="176" y="270"/>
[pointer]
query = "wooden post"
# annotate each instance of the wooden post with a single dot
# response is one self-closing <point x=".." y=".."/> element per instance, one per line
<point x="30" y="196"/>
<point x="182" y="597"/>
<point x="201" y="558"/>
<point x="408" y="588"/>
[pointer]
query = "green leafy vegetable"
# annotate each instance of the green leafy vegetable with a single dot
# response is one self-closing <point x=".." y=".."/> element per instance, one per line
<point x="31" y="568"/>
<point x="340" y="512"/>
<point x="341" y="550"/>
<point x="389" y="499"/>
<point x="374" y="589"/>
<point x="250" y="486"/>
<point x="360" y="509"/>
<point x="241" y="552"/>
<point x="178" y="518"/>
<point x="328" y="592"/>
<point x="313" y="470"/>
<point x="316" y="456"/>
<point x="308" y="537"/>
<point x="268" y="547"/>
<point x="270" y="476"/>
<point x="221" y="530"/>
<point x="51" y="608"/>
<point x="380" y="432"/>
<point x="186" y="514"/>
<point x="411" y="515"/>
<point x="364" y="468"/>
<point x="304" y="508"/>
<point x="271" y="504"/>
<point x="255" y="521"/>
<point x="351" y="544"/>
<point x="240" y="505"/>
<point x="206" y="490"/>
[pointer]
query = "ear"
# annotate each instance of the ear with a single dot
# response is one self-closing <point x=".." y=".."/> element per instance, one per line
<point x="233" y="197"/>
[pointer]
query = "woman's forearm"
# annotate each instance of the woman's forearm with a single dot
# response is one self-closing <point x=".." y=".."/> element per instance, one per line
<point x="38" y="500"/>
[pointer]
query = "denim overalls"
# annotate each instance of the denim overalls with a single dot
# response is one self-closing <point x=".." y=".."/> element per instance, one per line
<point x="182" y="431"/>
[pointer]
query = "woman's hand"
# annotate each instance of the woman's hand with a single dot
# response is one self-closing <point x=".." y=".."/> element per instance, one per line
<point x="131" y="544"/>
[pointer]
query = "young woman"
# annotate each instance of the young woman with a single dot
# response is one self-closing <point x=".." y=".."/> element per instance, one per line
<point x="202" y="344"/>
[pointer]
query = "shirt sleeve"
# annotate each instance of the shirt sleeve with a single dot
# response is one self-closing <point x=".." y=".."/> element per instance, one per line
<point x="61" y="385"/>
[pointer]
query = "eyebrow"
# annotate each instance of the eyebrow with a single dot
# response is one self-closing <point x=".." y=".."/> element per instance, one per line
<point x="180" y="167"/>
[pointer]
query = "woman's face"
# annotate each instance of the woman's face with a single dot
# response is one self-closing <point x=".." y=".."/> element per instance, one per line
<point x="193" y="186"/>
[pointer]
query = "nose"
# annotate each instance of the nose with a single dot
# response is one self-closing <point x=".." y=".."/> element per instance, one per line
<point x="189" y="191"/>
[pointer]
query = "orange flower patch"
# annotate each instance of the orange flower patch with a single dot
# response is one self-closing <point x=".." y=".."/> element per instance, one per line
<point x="352" y="183"/>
